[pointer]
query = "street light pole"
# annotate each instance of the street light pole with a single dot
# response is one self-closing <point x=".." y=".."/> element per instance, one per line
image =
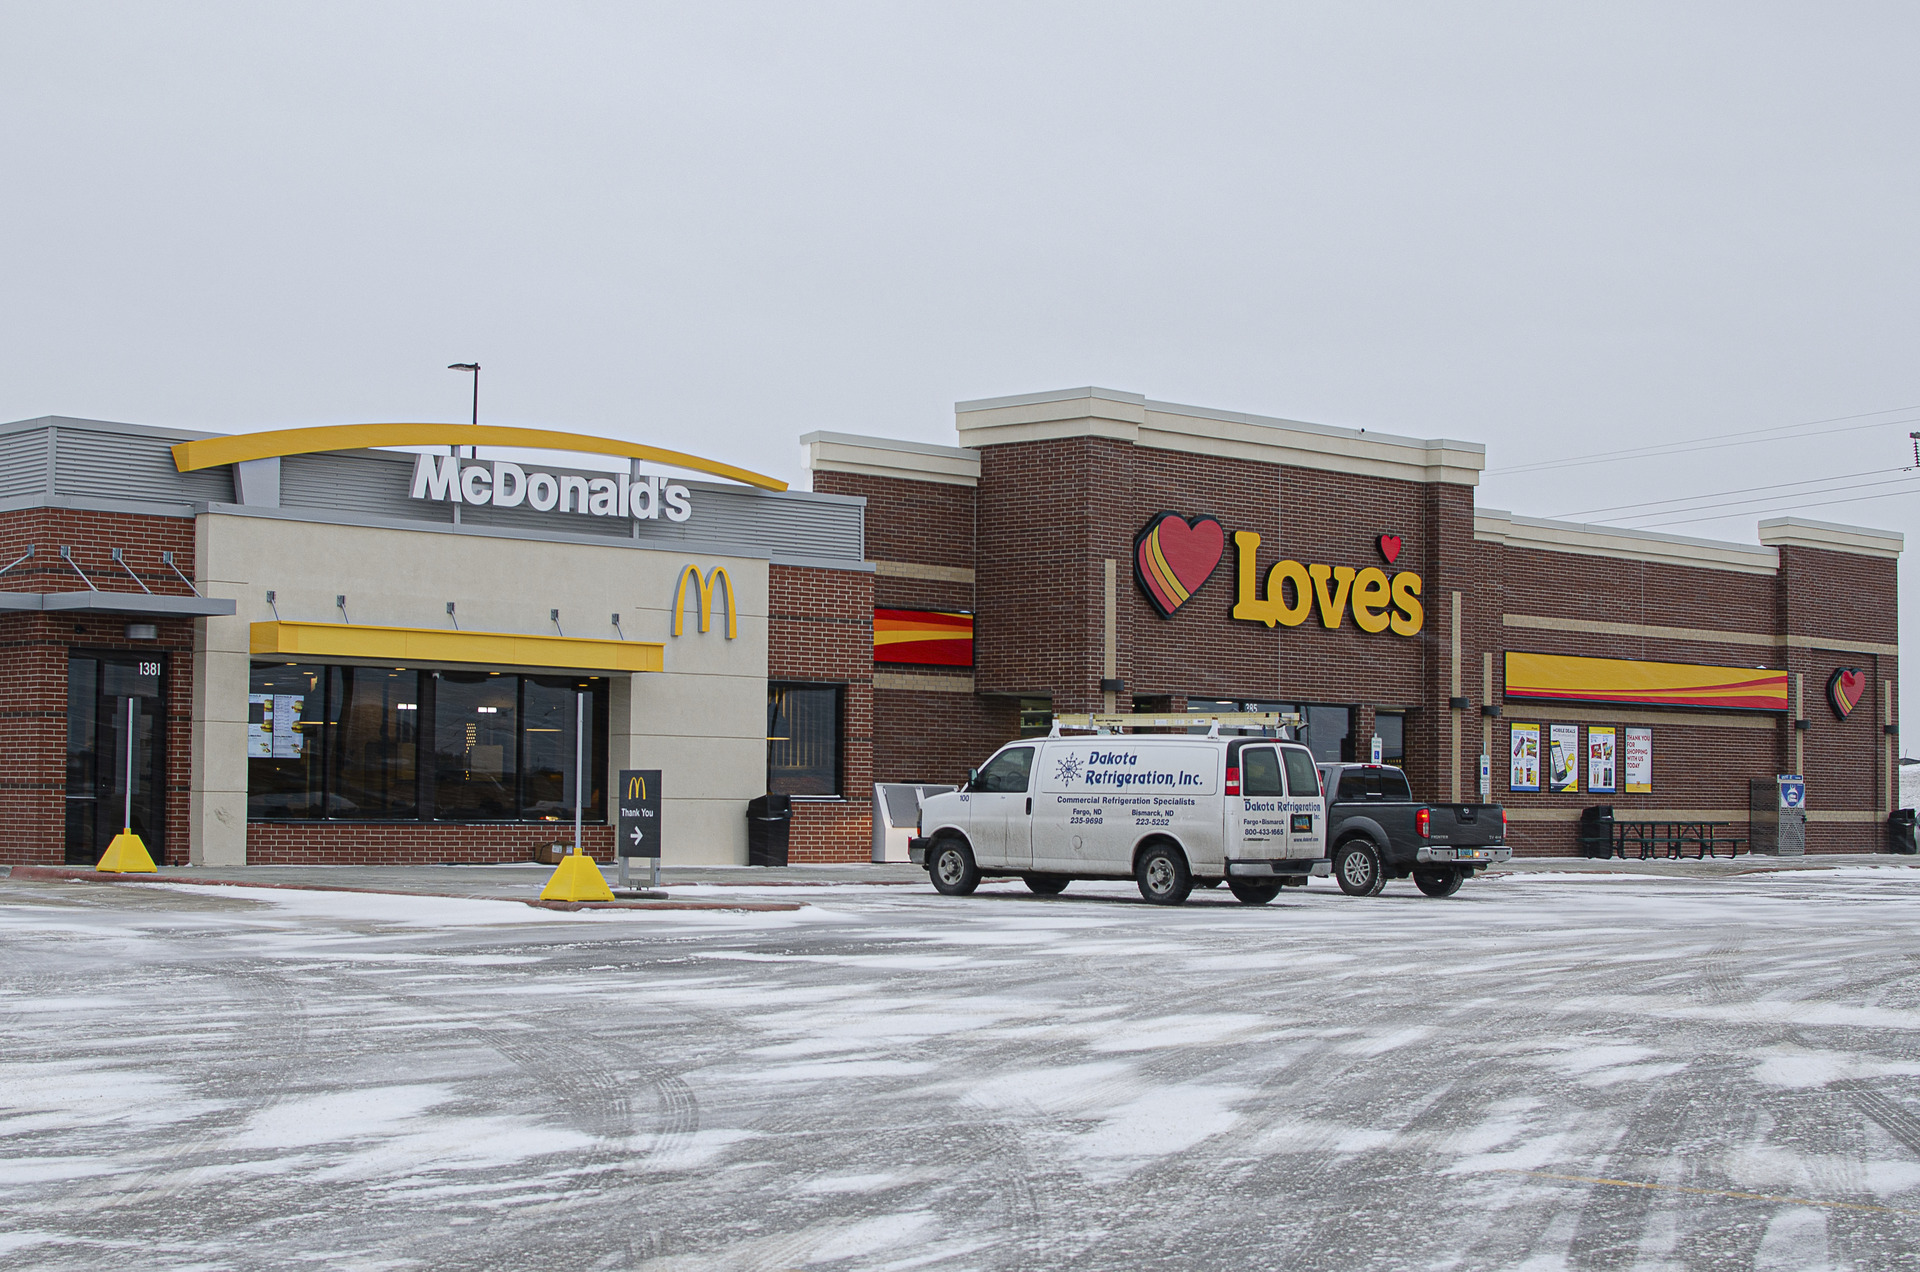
<point x="474" y="368"/>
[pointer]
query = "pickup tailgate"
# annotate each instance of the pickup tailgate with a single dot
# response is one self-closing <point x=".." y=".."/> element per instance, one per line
<point x="1466" y="825"/>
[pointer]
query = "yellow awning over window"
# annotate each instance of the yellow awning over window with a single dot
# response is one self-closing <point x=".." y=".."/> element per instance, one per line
<point x="427" y="644"/>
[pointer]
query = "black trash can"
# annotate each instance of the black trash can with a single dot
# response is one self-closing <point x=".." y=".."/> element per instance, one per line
<point x="1596" y="831"/>
<point x="1900" y="831"/>
<point x="769" y="818"/>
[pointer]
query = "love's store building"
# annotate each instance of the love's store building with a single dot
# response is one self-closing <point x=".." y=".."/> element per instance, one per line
<point x="1106" y="552"/>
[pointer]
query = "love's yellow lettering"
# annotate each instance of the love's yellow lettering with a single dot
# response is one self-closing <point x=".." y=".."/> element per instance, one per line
<point x="1408" y="617"/>
<point x="1370" y="602"/>
<point x="1277" y="579"/>
<point x="1378" y="603"/>
<point x="1333" y="606"/>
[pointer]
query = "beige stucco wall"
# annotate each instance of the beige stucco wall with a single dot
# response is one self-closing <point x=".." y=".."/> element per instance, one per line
<point x="702" y="721"/>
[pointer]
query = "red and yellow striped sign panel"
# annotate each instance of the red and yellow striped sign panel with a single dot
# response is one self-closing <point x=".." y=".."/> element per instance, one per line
<point x="922" y="636"/>
<point x="1662" y="684"/>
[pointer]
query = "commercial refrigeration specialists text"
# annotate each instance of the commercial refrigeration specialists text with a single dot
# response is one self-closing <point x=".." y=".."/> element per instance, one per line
<point x="507" y="485"/>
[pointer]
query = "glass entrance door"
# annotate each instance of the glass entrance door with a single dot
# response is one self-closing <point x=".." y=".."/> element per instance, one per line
<point x="99" y="686"/>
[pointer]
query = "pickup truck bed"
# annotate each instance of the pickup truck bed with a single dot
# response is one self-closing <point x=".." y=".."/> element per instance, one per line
<point x="1380" y="832"/>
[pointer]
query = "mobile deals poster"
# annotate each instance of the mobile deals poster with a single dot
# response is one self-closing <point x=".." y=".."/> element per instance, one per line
<point x="1639" y="761"/>
<point x="1600" y="759"/>
<point x="1563" y="755"/>
<point x="1525" y="772"/>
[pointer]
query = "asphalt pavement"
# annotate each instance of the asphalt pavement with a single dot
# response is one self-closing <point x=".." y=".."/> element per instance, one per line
<point x="1558" y="1067"/>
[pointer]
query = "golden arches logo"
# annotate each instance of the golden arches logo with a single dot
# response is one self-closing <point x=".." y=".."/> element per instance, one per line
<point x="703" y="598"/>
<point x="636" y="787"/>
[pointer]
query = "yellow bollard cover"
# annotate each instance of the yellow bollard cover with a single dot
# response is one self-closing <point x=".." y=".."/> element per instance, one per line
<point x="126" y="855"/>
<point x="577" y="879"/>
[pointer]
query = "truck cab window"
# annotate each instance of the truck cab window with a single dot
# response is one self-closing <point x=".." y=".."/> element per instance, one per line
<point x="1006" y="773"/>
<point x="1260" y="771"/>
<point x="1302" y="777"/>
<point x="1375" y="784"/>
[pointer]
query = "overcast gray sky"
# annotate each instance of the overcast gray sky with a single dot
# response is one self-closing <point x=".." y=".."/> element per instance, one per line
<point x="1555" y="229"/>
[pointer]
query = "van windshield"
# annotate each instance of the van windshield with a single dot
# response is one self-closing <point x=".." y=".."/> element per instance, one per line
<point x="1376" y="784"/>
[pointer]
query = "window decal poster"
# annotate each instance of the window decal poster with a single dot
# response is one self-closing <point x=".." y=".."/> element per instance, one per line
<point x="1525" y="772"/>
<point x="1639" y="761"/>
<point x="1600" y="758"/>
<point x="1563" y="756"/>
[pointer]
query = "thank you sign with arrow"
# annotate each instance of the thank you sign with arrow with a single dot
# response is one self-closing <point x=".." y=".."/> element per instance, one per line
<point x="639" y="813"/>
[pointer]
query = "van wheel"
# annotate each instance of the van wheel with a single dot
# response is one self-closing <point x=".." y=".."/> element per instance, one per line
<point x="1357" y="866"/>
<point x="952" y="868"/>
<point x="1163" y="875"/>
<point x="1046" y="885"/>
<point x="1254" y="893"/>
<point x="1439" y="883"/>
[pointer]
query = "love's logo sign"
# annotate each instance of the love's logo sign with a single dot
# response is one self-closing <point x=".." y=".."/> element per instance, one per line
<point x="1390" y="547"/>
<point x="1174" y="555"/>
<point x="1845" y="689"/>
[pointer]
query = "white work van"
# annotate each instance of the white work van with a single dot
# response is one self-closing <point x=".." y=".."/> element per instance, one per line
<point x="1170" y="811"/>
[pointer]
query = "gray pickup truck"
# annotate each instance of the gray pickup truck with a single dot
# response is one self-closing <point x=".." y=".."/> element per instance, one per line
<point x="1380" y="832"/>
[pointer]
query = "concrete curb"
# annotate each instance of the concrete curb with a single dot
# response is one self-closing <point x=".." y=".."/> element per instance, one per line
<point x="95" y="876"/>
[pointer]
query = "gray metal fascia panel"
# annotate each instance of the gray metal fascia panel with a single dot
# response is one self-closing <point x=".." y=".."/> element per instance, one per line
<point x="83" y="503"/>
<point x="139" y="603"/>
<point x="20" y="601"/>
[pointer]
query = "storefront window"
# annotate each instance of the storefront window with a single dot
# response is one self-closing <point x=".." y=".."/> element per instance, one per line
<point x="286" y="731"/>
<point x="1330" y="733"/>
<point x="1391" y="728"/>
<point x="1036" y="717"/>
<point x="475" y="761"/>
<point x="374" y="713"/>
<point x="803" y="740"/>
<point x="500" y="746"/>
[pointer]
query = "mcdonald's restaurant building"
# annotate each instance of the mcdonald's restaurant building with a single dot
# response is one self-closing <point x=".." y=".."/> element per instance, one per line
<point x="299" y="647"/>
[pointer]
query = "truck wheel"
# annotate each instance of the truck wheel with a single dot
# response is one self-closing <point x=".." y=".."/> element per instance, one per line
<point x="1046" y="885"/>
<point x="1438" y="883"/>
<point x="1357" y="866"/>
<point x="951" y="866"/>
<point x="1254" y="893"/>
<point x="1163" y="875"/>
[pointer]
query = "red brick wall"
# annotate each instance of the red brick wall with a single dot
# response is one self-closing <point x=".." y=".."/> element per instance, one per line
<point x="34" y="647"/>
<point x="820" y="630"/>
<point x="1049" y="513"/>
<point x="413" y="843"/>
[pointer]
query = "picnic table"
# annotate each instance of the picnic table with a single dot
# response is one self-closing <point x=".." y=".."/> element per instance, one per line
<point x="1648" y="839"/>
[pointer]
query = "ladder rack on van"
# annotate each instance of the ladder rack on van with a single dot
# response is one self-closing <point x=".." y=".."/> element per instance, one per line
<point x="1104" y="722"/>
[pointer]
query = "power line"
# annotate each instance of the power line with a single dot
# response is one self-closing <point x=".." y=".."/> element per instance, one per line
<point x="1799" y="501"/>
<point x="1649" y="503"/>
<point x="1714" y="441"/>
<point x="1727" y="516"/>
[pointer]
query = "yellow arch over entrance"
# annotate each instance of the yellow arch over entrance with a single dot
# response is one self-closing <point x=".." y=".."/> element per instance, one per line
<point x="211" y="452"/>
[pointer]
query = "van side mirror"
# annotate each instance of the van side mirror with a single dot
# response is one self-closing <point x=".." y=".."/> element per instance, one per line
<point x="973" y="778"/>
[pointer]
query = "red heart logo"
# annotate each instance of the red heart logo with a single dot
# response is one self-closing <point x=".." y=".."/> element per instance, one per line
<point x="1845" y="690"/>
<point x="1174" y="555"/>
<point x="1390" y="547"/>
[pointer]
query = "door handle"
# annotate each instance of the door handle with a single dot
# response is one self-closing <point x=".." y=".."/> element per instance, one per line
<point x="1029" y="805"/>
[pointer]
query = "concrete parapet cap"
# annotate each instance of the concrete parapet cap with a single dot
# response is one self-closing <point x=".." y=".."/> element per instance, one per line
<point x="891" y="457"/>
<point x="1132" y="417"/>
<point x="1799" y="532"/>
<point x="1494" y="525"/>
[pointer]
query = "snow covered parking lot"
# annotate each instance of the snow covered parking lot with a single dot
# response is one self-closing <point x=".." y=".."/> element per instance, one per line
<point x="1583" y="1071"/>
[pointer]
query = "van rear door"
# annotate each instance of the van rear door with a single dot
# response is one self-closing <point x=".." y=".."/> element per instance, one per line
<point x="1256" y="822"/>
<point x="1306" y="804"/>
